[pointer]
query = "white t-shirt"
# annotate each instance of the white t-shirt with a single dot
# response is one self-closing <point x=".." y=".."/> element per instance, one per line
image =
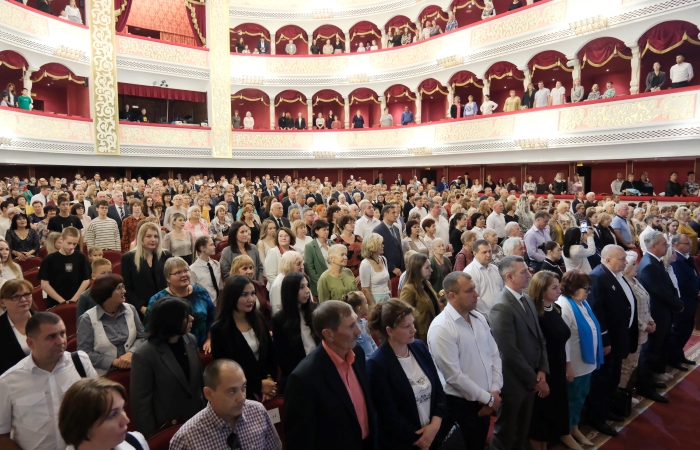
<point x="376" y="282"/>
<point x="557" y="94"/>
<point x="124" y="445"/>
<point x="422" y="389"/>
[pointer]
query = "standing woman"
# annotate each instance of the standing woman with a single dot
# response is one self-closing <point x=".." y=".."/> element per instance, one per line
<point x="179" y="241"/>
<point x="404" y="381"/>
<point x="239" y="244"/>
<point x="575" y="254"/>
<point x="166" y="375"/>
<point x="268" y="235"/>
<point x="23" y="241"/>
<point x="284" y="240"/>
<point x="299" y="229"/>
<point x="338" y="280"/>
<point x="550" y="415"/>
<point x="142" y="268"/>
<point x="440" y="265"/>
<point x="374" y="273"/>
<point x="458" y="225"/>
<point x="16" y="300"/>
<point x="478" y="224"/>
<point x="241" y="334"/>
<point x="604" y="234"/>
<point x="584" y="352"/>
<point x="523" y="211"/>
<point x="466" y="255"/>
<point x="419" y="293"/>
<point x="491" y="236"/>
<point x="196" y="225"/>
<point x="352" y="242"/>
<point x="248" y="218"/>
<point x="129" y="225"/>
<point x="430" y="229"/>
<point x="682" y="216"/>
<point x="290" y="262"/>
<point x="292" y="326"/>
<point x="220" y="225"/>
<point x="11" y="95"/>
<point x="413" y="240"/>
<point x="530" y="184"/>
<point x="316" y="254"/>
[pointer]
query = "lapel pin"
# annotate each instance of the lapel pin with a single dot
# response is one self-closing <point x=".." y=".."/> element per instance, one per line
<point x="613" y="287"/>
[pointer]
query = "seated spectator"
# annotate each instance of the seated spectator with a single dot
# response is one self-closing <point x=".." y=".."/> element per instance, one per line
<point x="248" y="121"/>
<point x="205" y="270"/>
<point x="241" y="334"/>
<point x="22" y="240"/>
<point x="92" y="416"/>
<point x="111" y="331"/>
<point x="609" y="90"/>
<point x="73" y="12"/>
<point x="16" y="301"/>
<point x="246" y="424"/>
<point x="489" y="10"/>
<point x="338" y="280"/>
<point x="488" y="106"/>
<point x="290" y="48"/>
<point x="162" y="391"/>
<point x="419" y="293"/>
<point x="594" y="94"/>
<point x="655" y="79"/>
<point x="64" y="274"/>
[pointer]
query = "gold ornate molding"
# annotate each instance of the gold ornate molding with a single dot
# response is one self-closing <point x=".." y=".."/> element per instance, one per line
<point x="529" y="144"/>
<point x="519" y="23"/>
<point x="220" y="78"/>
<point x="406" y="56"/>
<point x="105" y="110"/>
<point x="358" y="78"/>
<point x="389" y="138"/>
<point x="324" y="155"/>
<point x="420" y="151"/>
<point x="475" y="129"/>
<point x="139" y="48"/>
<point x="68" y="53"/>
<point x="303" y="66"/>
<point x="41" y="127"/>
<point x="23" y="20"/>
<point x="450" y="61"/>
<point x="167" y="136"/>
<point x="629" y="113"/>
<point x="272" y="140"/>
<point x="270" y="4"/>
<point x="589" y="25"/>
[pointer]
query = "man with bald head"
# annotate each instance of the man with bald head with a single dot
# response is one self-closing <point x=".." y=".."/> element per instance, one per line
<point x="92" y="211"/>
<point x="614" y="305"/>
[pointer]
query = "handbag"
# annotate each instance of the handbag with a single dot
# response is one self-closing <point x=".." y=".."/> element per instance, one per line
<point x="622" y="402"/>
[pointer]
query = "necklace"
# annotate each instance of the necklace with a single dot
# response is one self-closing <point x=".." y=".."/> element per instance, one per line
<point x="408" y="353"/>
<point x="549" y="308"/>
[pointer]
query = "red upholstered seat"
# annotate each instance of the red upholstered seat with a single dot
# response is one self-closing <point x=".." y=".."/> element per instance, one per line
<point x="29" y="264"/>
<point x="697" y="263"/>
<point x="277" y="402"/>
<point x="67" y="312"/>
<point x="72" y="344"/>
<point x="221" y="246"/>
<point x="123" y="377"/>
<point x="112" y="255"/>
<point x="395" y="287"/>
<point x="33" y="277"/>
<point x="43" y="252"/>
<point x="217" y="256"/>
<point x="160" y="440"/>
<point x="205" y="359"/>
<point x="117" y="268"/>
<point x="39" y="300"/>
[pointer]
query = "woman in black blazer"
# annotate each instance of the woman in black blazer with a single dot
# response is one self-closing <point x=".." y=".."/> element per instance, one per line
<point x="142" y="268"/>
<point x="16" y="298"/>
<point x="400" y="372"/>
<point x="292" y="329"/>
<point x="240" y="334"/>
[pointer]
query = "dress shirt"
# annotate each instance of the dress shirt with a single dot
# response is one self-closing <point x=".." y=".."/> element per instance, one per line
<point x="488" y="284"/>
<point x="616" y="187"/>
<point x="254" y="431"/>
<point x="620" y="223"/>
<point x="406" y="117"/>
<point x="497" y="222"/>
<point x="628" y="293"/>
<point x="420" y="211"/>
<point x="542" y="97"/>
<point x="364" y="227"/>
<point x="347" y="374"/>
<point x="200" y="275"/>
<point x="488" y="107"/>
<point x="30" y="398"/>
<point x="681" y="72"/>
<point x="557" y="94"/>
<point x="533" y="238"/>
<point x="466" y="355"/>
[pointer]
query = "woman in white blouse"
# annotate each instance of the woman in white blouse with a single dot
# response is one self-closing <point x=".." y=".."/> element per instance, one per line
<point x="248" y="121"/>
<point x="16" y="301"/>
<point x="284" y="240"/>
<point x="299" y="229"/>
<point x="320" y="122"/>
<point x="374" y="272"/>
<point x="489" y="10"/>
<point x="413" y="240"/>
<point x="290" y="262"/>
<point x="73" y="12"/>
<point x="575" y="254"/>
<point x="374" y="45"/>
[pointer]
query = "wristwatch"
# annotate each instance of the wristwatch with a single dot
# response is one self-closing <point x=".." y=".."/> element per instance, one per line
<point x="490" y="404"/>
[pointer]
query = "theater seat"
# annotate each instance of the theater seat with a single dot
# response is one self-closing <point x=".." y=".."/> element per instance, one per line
<point x="205" y="359"/>
<point x="221" y="246"/>
<point x="38" y="299"/>
<point x="277" y="403"/>
<point x="160" y="440"/>
<point x="68" y="313"/>
<point x="72" y="344"/>
<point x="217" y="256"/>
<point x="43" y="252"/>
<point x="112" y="255"/>
<point x="697" y="263"/>
<point x="117" y="268"/>
<point x="29" y="264"/>
<point x="395" y="287"/>
<point x="33" y="277"/>
<point x="123" y="377"/>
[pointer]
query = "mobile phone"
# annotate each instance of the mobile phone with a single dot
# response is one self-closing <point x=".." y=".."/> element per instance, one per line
<point x="584" y="226"/>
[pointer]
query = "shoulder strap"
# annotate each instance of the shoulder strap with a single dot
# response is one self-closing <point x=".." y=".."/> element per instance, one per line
<point x="78" y="364"/>
<point x="131" y="440"/>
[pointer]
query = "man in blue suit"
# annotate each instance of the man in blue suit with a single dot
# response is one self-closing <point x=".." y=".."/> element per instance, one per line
<point x="689" y="286"/>
<point x="392" y="239"/>
<point x="263" y="47"/>
<point x="664" y="303"/>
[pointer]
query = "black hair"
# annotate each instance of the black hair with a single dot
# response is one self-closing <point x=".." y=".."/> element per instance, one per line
<point x="318" y="225"/>
<point x="227" y="303"/>
<point x="232" y="233"/>
<point x="291" y="319"/>
<point x="168" y="319"/>
<point x="17" y="217"/>
<point x="571" y="237"/>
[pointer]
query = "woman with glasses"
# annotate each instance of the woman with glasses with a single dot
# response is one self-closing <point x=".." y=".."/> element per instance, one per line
<point x="112" y="330"/>
<point x="16" y="300"/>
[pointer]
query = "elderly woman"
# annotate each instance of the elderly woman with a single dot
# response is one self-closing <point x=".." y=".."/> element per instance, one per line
<point x="604" y="234"/>
<point x="290" y="262"/>
<point x="248" y="121"/>
<point x="112" y="330"/>
<point x="419" y="293"/>
<point x="491" y="237"/>
<point x="178" y="207"/>
<point x="284" y="242"/>
<point x="299" y="230"/>
<point x="478" y="221"/>
<point x="352" y="242"/>
<point x="440" y="265"/>
<point x="338" y="280"/>
<point x="195" y="224"/>
<point x="16" y="301"/>
<point x="466" y="255"/>
<point x="24" y="242"/>
<point x="220" y="225"/>
<point x="179" y="241"/>
<point x="177" y="275"/>
<point x="374" y="271"/>
<point x="682" y="216"/>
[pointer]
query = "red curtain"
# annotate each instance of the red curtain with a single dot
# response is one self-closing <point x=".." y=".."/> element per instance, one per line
<point x="399" y="91"/>
<point x="328" y="96"/>
<point x="122" y="8"/>
<point x="198" y="19"/>
<point x="433" y="12"/>
<point x="397" y="22"/>
<point x="363" y="95"/>
<point x="254" y="101"/>
<point x="292" y="32"/>
<point x="431" y="86"/>
<point x="56" y="71"/>
<point x="13" y="60"/>
<point x="548" y="60"/>
<point x="290" y="97"/>
<point x="252" y="95"/>
<point x="328" y="32"/>
<point x="251" y="29"/>
<point x="138" y="90"/>
<point x="364" y="32"/>
<point x="600" y="51"/>
<point x="504" y="69"/>
<point x="668" y="35"/>
<point x="464" y="77"/>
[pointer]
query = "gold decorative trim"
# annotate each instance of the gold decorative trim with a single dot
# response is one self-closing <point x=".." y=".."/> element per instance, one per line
<point x="190" y="4"/>
<point x="170" y="136"/>
<point x="475" y="129"/>
<point x="24" y="20"/>
<point x="127" y="46"/>
<point x="243" y="139"/>
<point x="406" y="56"/>
<point x="420" y="151"/>
<point x="358" y="78"/>
<point x="519" y="23"/>
<point x="363" y="139"/>
<point x="105" y="110"/>
<point x="220" y="79"/>
<point x="324" y="155"/>
<point x="49" y="128"/>
<point x="451" y="61"/>
<point x="68" y="53"/>
<point x="302" y="66"/>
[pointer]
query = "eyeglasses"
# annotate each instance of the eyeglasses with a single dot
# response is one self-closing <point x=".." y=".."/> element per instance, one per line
<point x="120" y="288"/>
<point x="180" y="273"/>
<point x="18" y="297"/>
<point x="587" y="288"/>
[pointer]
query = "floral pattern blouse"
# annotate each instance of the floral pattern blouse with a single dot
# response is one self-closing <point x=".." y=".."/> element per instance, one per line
<point x="354" y="253"/>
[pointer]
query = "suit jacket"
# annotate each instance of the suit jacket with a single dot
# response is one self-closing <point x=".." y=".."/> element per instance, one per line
<point x="12" y="352"/>
<point x="159" y="390"/>
<point x="263" y="47"/>
<point x="314" y="264"/>
<point x="286" y="203"/>
<point x="392" y="248"/>
<point x="613" y="310"/>
<point x="663" y="297"/>
<point x="397" y="413"/>
<point x="300" y="124"/>
<point x="319" y="413"/>
<point x="227" y="257"/>
<point x="289" y="353"/>
<point x="317" y="197"/>
<point x="424" y="306"/>
<point x="400" y="182"/>
<point x="227" y="341"/>
<point x="520" y="342"/>
<point x="140" y="286"/>
<point x="285" y="221"/>
<point x="407" y="207"/>
<point x="113" y="213"/>
<point x="688" y="280"/>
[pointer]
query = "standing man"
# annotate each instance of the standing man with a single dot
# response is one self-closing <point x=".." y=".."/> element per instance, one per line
<point x="64" y="219"/>
<point x="542" y="96"/>
<point x="466" y="354"/>
<point x="536" y="237"/>
<point x="497" y="221"/>
<point x="64" y="274"/>
<point x="681" y="73"/>
<point x="263" y="47"/>
<point x="406" y="116"/>
<point x="391" y="233"/>
<point x="43" y="195"/>
<point x="358" y="121"/>
<point x="485" y="276"/>
<point x="622" y="228"/>
<point x="119" y="211"/>
<point x="399" y="181"/>
<point x="366" y="224"/>
<point x="615" y="307"/>
<point x="276" y="214"/>
<point x="521" y="343"/>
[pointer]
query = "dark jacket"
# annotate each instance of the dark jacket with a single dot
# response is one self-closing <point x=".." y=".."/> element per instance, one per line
<point x="688" y="280"/>
<point x="358" y="122"/>
<point x="12" y="352"/>
<point x="141" y="285"/>
<point x="663" y="297"/>
<point x="300" y="125"/>
<point x="113" y="213"/>
<point x="456" y="112"/>
<point x="319" y="413"/>
<point x="393" y="252"/>
<point x="329" y="121"/>
<point x="290" y="352"/>
<point x="528" y="100"/>
<point x="44" y="6"/>
<point x="397" y="413"/>
<point x="650" y="80"/>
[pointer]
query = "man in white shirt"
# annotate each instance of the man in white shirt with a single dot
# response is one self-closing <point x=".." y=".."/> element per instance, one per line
<point x="366" y="224"/>
<point x="653" y="224"/>
<point x="418" y="208"/>
<point x="616" y="185"/>
<point x="681" y="73"/>
<point x="205" y="271"/>
<point x="31" y="391"/>
<point x="497" y="221"/>
<point x="441" y="224"/>
<point x="542" y="96"/>
<point x="485" y="276"/>
<point x="558" y="94"/>
<point x="466" y="354"/>
<point x="43" y="194"/>
<point x="488" y="106"/>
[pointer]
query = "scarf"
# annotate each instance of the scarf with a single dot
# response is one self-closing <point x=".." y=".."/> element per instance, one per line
<point x="584" y="333"/>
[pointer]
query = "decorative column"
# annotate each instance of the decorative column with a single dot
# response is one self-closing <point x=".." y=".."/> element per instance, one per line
<point x="528" y="76"/>
<point x="449" y="100"/>
<point x="383" y="39"/>
<point x="418" y="107"/>
<point x="273" y="44"/>
<point x="348" y="47"/>
<point x="273" y="116"/>
<point x="346" y="101"/>
<point x="636" y="67"/>
<point x="486" y="90"/>
<point x="310" y="113"/>
<point x="575" y="65"/>
<point x="103" y="85"/>
<point x="219" y="96"/>
<point x="310" y="37"/>
<point x="27" y="80"/>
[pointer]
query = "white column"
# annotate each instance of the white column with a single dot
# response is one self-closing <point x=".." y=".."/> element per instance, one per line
<point x="383" y="43"/>
<point x="272" y="43"/>
<point x="27" y="81"/>
<point x="347" y="41"/>
<point x="418" y="107"/>
<point x="450" y="99"/>
<point x="310" y="113"/>
<point x="347" y="111"/>
<point x="636" y="68"/>
<point x="575" y="65"/>
<point x="528" y="77"/>
<point x="487" y="87"/>
<point x="273" y="116"/>
<point x="382" y="100"/>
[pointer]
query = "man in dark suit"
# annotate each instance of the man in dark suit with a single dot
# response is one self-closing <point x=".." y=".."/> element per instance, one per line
<point x="358" y="121"/>
<point x="380" y="180"/>
<point x="400" y="181"/>
<point x="392" y="240"/>
<point x="277" y="215"/>
<point x="516" y="329"/>
<point x="119" y="210"/>
<point x="263" y="47"/>
<point x="689" y="285"/>
<point x="290" y="202"/>
<point x="270" y="190"/>
<point x="614" y="305"/>
<point x="314" y="194"/>
<point x="408" y="206"/>
<point x="664" y="302"/>
<point x="327" y="398"/>
<point x="300" y="123"/>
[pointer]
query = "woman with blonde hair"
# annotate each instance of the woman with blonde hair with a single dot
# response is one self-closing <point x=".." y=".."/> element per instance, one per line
<point x="338" y="280"/>
<point x="419" y="293"/>
<point x="683" y="217"/>
<point x="268" y="234"/>
<point x="195" y="224"/>
<point x="9" y="270"/>
<point x="290" y="262"/>
<point x="374" y="272"/>
<point x="284" y="242"/>
<point x="16" y="303"/>
<point x="294" y="215"/>
<point x="466" y="255"/>
<point x="178" y="207"/>
<point x="53" y="242"/>
<point x="299" y="229"/>
<point x="440" y="264"/>
<point x="179" y="242"/>
<point x="220" y="224"/>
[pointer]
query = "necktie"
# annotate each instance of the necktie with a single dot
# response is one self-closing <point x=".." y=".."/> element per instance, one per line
<point x="121" y="212"/>
<point x="395" y="233"/>
<point x="213" y="277"/>
<point x="279" y="223"/>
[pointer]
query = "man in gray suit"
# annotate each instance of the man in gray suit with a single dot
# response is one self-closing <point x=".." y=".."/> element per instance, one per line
<point x="521" y="344"/>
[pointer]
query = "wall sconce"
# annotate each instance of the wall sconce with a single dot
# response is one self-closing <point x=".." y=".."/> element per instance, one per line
<point x="451" y="61"/>
<point x="589" y="25"/>
<point x="324" y="155"/>
<point x="529" y="144"/>
<point x="322" y="13"/>
<point x="420" y="151"/>
<point x="5" y="140"/>
<point x="68" y="53"/>
<point x="250" y="79"/>
<point x="358" y="78"/>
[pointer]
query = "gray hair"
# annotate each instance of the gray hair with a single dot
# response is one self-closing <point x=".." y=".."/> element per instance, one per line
<point x="173" y="263"/>
<point x="510" y="226"/>
<point x="652" y="238"/>
<point x="508" y="265"/>
<point x="638" y="211"/>
<point x="631" y="257"/>
<point x="287" y="261"/>
<point x="336" y="250"/>
<point x="488" y="232"/>
<point x="676" y="238"/>
<point x="511" y="243"/>
<point x="451" y="281"/>
<point x="609" y="249"/>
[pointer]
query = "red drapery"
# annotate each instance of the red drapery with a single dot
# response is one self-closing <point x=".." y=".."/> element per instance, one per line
<point x="365" y="28"/>
<point x="138" y="90"/>
<point x="464" y="77"/>
<point x="399" y="91"/>
<point x="198" y="18"/>
<point x="431" y="86"/>
<point x="13" y="60"/>
<point x="504" y="69"/>
<point x="251" y="29"/>
<point x="548" y="60"/>
<point x="292" y="32"/>
<point x="363" y="95"/>
<point x="459" y="4"/>
<point x="290" y="97"/>
<point x="252" y="95"/>
<point x="56" y="71"/>
<point x="433" y="12"/>
<point x="327" y="96"/>
<point x="122" y="8"/>
<point x="329" y="32"/>
<point x="397" y="22"/>
<point x="600" y="51"/>
<point x="170" y="17"/>
<point x="668" y="35"/>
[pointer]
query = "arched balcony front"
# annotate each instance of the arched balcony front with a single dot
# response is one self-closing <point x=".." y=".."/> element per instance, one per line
<point x="663" y="43"/>
<point x="250" y="35"/>
<point x="549" y="67"/>
<point x="325" y="102"/>
<point x="254" y="101"/>
<point x="465" y="84"/>
<point x="291" y="33"/>
<point x="364" y="32"/>
<point x="367" y="102"/>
